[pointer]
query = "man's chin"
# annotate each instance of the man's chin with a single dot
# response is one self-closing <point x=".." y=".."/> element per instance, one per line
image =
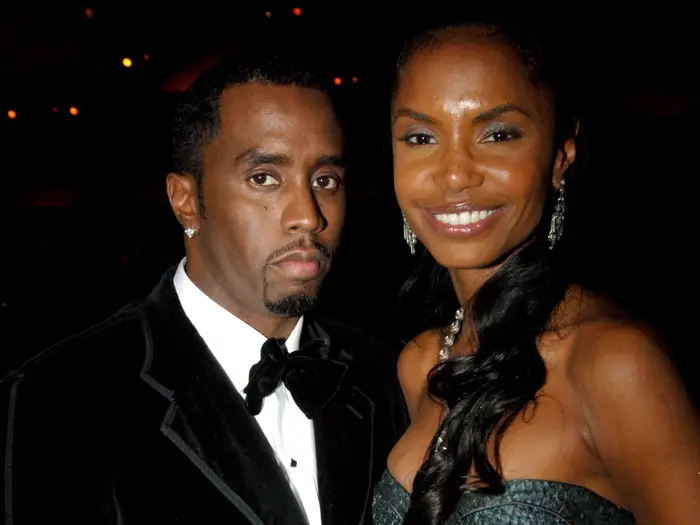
<point x="293" y="305"/>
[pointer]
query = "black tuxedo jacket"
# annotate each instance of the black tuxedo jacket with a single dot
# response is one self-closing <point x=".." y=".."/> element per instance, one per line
<point x="134" y="421"/>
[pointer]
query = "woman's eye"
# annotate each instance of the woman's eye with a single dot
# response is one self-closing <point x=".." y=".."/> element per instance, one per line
<point x="502" y="135"/>
<point x="418" y="139"/>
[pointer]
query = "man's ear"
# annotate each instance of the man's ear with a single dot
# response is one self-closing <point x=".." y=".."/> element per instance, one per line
<point x="183" y="194"/>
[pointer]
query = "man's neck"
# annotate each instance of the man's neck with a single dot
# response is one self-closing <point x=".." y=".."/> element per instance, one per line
<point x="268" y="325"/>
<point x="265" y="322"/>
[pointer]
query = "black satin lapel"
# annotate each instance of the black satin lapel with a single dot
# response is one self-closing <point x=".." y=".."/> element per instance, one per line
<point x="175" y="427"/>
<point x="207" y="419"/>
<point x="214" y="429"/>
<point x="344" y="450"/>
<point x="314" y="331"/>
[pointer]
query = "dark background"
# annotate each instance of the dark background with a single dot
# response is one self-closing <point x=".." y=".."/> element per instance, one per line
<point x="86" y="223"/>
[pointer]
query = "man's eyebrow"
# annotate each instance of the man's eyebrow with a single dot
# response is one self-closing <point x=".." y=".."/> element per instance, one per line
<point x="329" y="160"/>
<point x="257" y="156"/>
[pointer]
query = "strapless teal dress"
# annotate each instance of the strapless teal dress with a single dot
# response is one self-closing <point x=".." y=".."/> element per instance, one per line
<point x="524" y="502"/>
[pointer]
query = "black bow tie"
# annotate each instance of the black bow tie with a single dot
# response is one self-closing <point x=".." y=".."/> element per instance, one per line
<point x="310" y="377"/>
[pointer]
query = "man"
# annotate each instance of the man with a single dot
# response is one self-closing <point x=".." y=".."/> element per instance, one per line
<point x="219" y="398"/>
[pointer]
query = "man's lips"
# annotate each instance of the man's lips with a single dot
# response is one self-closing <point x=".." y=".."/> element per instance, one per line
<point x="301" y="264"/>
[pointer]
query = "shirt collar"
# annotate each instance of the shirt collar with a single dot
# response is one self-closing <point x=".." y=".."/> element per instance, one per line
<point x="235" y="344"/>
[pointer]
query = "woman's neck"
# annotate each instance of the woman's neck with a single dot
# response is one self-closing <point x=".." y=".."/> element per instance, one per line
<point x="467" y="282"/>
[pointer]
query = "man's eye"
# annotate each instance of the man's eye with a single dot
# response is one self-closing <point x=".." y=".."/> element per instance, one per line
<point x="263" y="179"/>
<point x="326" y="182"/>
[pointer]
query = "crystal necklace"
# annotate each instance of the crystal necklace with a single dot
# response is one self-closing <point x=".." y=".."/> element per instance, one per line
<point x="451" y="335"/>
<point x="447" y="342"/>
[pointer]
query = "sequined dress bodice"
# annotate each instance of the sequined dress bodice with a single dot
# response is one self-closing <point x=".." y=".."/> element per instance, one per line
<point x="524" y="502"/>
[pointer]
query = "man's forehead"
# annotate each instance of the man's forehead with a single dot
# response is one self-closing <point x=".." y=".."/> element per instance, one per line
<point x="255" y="98"/>
<point x="278" y="122"/>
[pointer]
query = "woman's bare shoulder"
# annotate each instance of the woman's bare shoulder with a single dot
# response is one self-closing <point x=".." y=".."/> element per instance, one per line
<point x="416" y="361"/>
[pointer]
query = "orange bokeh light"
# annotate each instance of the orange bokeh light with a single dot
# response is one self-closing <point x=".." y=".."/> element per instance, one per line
<point x="354" y="80"/>
<point x="268" y="14"/>
<point x="73" y="110"/>
<point x="296" y="11"/>
<point x="126" y="61"/>
<point x="337" y="81"/>
<point x="12" y="114"/>
<point x="89" y="12"/>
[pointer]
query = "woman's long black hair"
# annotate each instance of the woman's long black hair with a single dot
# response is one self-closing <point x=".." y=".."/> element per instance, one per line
<point x="485" y="391"/>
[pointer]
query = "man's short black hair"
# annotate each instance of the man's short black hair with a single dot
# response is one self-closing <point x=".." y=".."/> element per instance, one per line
<point x="197" y="116"/>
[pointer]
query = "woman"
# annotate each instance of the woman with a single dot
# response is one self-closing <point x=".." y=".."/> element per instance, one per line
<point x="541" y="403"/>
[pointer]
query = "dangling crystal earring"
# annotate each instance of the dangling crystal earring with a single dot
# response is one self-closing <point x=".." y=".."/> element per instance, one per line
<point x="190" y="232"/>
<point x="556" y="227"/>
<point x="408" y="235"/>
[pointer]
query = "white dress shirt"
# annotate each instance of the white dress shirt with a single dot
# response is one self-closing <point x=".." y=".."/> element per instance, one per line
<point x="236" y="346"/>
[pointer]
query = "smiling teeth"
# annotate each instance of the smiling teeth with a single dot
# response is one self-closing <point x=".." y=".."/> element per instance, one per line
<point x="463" y="219"/>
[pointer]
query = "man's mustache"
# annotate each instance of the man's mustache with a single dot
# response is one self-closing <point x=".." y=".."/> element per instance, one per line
<point x="299" y="244"/>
